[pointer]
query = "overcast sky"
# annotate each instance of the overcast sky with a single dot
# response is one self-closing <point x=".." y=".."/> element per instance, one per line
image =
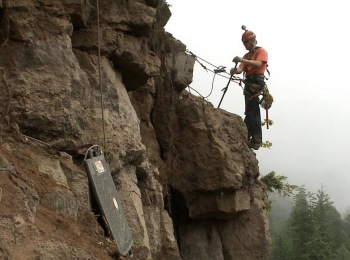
<point x="308" y="43"/>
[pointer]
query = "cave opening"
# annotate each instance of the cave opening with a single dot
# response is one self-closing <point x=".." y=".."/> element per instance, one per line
<point x="175" y="204"/>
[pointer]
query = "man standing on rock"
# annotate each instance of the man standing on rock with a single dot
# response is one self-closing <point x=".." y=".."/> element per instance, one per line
<point x="253" y="64"/>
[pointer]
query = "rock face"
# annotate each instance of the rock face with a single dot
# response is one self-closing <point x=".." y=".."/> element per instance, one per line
<point x="106" y="73"/>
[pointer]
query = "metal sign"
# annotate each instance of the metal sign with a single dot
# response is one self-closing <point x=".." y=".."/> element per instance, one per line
<point x="106" y="197"/>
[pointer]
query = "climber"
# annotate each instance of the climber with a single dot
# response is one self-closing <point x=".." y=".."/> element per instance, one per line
<point x="253" y="64"/>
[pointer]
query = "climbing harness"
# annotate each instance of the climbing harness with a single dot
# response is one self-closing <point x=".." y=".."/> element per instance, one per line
<point x="254" y="89"/>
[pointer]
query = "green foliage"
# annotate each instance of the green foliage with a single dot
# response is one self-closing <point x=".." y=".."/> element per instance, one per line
<point x="263" y="123"/>
<point x="342" y="253"/>
<point x="314" y="230"/>
<point x="277" y="184"/>
<point x="266" y="144"/>
<point x="282" y="248"/>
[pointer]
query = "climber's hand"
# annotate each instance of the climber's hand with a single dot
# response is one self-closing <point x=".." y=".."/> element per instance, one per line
<point x="233" y="70"/>
<point x="237" y="59"/>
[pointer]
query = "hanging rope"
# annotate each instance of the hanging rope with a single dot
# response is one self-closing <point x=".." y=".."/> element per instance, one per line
<point x="99" y="74"/>
<point x="216" y="71"/>
<point x="7" y="106"/>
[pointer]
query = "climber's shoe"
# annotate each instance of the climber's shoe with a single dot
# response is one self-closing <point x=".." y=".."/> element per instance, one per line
<point x="254" y="145"/>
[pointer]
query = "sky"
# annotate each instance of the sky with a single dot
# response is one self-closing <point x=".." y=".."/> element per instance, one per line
<point x="308" y="43"/>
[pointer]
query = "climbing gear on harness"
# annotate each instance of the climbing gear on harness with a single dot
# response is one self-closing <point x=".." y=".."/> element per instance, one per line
<point x="267" y="99"/>
<point x="266" y="103"/>
<point x="253" y="84"/>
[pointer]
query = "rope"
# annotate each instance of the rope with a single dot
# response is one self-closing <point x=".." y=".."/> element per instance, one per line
<point x="36" y="140"/>
<point x="7" y="107"/>
<point x="190" y="52"/>
<point x="9" y="95"/>
<point x="99" y="74"/>
<point x="216" y="71"/>
<point x="189" y="90"/>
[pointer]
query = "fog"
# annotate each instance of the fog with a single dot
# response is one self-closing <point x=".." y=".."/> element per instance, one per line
<point x="307" y="46"/>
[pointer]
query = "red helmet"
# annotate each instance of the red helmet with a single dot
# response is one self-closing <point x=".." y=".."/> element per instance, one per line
<point x="247" y="35"/>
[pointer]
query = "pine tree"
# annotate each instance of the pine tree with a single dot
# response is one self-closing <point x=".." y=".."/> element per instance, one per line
<point x="314" y="230"/>
<point x="282" y="245"/>
<point x="281" y="239"/>
<point x="301" y="223"/>
<point x="342" y="253"/>
<point x="346" y="229"/>
<point x="322" y="244"/>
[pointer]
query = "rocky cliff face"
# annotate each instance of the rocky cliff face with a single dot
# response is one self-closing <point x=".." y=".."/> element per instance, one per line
<point x="79" y="72"/>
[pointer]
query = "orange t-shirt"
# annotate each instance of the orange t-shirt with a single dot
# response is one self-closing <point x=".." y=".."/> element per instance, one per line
<point x="260" y="54"/>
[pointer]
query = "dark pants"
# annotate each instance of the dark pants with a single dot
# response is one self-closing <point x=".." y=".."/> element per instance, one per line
<point x="253" y="118"/>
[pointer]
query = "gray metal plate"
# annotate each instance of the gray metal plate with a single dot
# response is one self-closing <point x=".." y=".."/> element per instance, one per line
<point x="105" y="192"/>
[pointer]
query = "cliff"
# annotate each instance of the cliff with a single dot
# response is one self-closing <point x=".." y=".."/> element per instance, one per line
<point x="75" y="73"/>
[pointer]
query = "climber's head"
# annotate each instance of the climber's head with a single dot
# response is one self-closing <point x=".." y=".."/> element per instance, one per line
<point x="248" y="37"/>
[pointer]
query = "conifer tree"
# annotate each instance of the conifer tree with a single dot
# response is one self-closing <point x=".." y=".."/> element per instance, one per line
<point x="342" y="253"/>
<point x="314" y="230"/>
<point x="281" y="245"/>
<point x="301" y="223"/>
<point x="322" y="243"/>
<point x="346" y="229"/>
